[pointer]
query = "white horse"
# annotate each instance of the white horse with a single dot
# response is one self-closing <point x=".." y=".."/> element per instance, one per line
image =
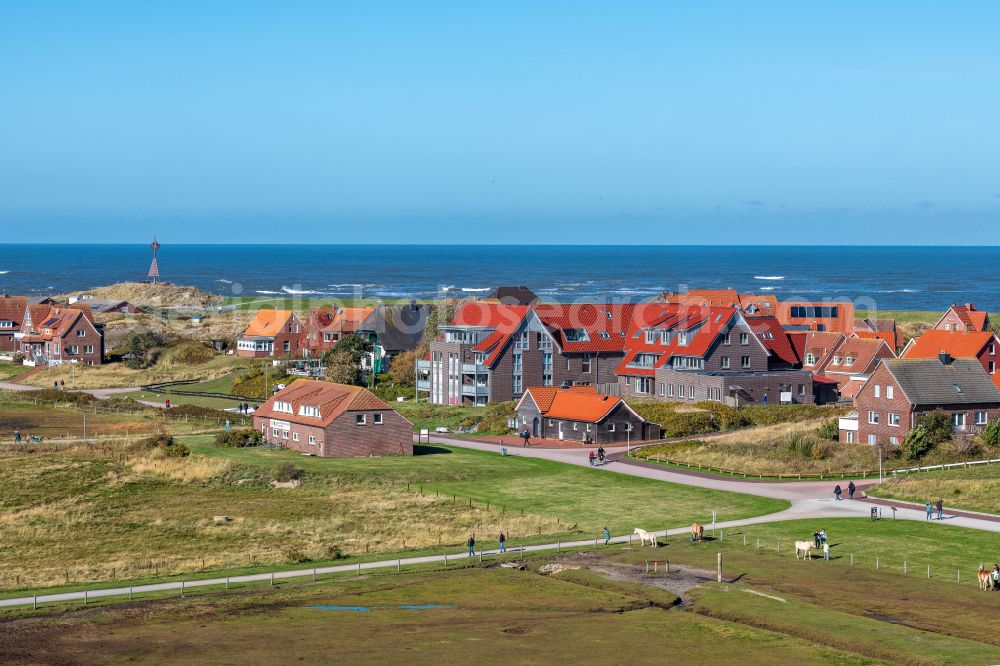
<point x="804" y="547"/>
<point x="645" y="536"/>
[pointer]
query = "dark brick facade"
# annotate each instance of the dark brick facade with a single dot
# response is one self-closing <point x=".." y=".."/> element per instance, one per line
<point x="621" y="425"/>
<point x="344" y="436"/>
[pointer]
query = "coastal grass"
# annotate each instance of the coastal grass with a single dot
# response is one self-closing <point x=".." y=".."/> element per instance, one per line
<point x="222" y="384"/>
<point x="489" y="420"/>
<point x="9" y="371"/>
<point x="117" y="375"/>
<point x="973" y="488"/>
<point x="475" y="616"/>
<point x="111" y="512"/>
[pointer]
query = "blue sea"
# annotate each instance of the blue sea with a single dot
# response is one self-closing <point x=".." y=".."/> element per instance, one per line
<point x="917" y="278"/>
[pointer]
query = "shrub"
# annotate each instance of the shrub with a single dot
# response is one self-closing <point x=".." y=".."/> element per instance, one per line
<point x="164" y="444"/>
<point x="402" y="367"/>
<point x="916" y="443"/>
<point x="829" y="430"/>
<point x="937" y="426"/>
<point x="685" y="424"/>
<point x="52" y="395"/>
<point x="143" y="348"/>
<point x="285" y="472"/>
<point x="254" y="383"/>
<point x="334" y="553"/>
<point x="197" y="411"/>
<point x="990" y="435"/>
<point x="239" y="438"/>
<point x="192" y="352"/>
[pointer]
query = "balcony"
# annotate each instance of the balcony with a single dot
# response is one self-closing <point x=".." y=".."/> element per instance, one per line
<point x="423" y="364"/>
<point x="423" y="385"/>
<point x="476" y="390"/>
<point x="848" y="422"/>
<point x="474" y="369"/>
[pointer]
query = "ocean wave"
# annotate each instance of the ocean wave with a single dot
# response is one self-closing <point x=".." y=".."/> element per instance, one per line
<point x="768" y="277"/>
<point x="769" y="288"/>
<point x="224" y="281"/>
<point x="299" y="292"/>
<point x="474" y="290"/>
<point x="353" y="284"/>
<point x="4" y="272"/>
<point x="268" y="293"/>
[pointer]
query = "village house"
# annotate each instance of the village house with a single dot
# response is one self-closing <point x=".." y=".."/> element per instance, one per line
<point x="835" y="316"/>
<point x="12" y="310"/>
<point x="882" y="329"/>
<point x="271" y="334"/>
<point x="900" y="391"/>
<point x="853" y="359"/>
<point x="392" y="329"/>
<point x="327" y="419"/>
<point x="580" y="413"/>
<point x="55" y="335"/>
<point x="325" y="326"/>
<point x="983" y="346"/>
<point x="965" y="317"/>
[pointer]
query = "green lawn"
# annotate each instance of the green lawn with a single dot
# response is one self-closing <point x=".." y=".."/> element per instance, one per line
<point x="902" y="316"/>
<point x="9" y="371"/>
<point x="975" y="488"/>
<point x="222" y="384"/>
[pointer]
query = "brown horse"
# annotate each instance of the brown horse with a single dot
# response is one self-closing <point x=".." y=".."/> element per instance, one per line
<point x="697" y="532"/>
<point x="985" y="582"/>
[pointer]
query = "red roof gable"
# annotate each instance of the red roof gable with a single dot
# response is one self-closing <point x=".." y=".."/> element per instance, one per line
<point x="583" y="404"/>
<point x="960" y="344"/>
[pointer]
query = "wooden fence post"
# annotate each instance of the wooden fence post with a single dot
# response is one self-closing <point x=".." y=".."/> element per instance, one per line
<point x="718" y="573"/>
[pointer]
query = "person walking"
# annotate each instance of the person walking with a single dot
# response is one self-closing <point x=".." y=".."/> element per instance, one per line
<point x="837" y="492"/>
<point x="996" y="577"/>
<point x="826" y="551"/>
<point x="62" y="384"/>
<point x="940" y="508"/>
<point x="607" y="536"/>
<point x="17" y="436"/>
<point x="503" y="543"/>
<point x="472" y="546"/>
<point x="930" y="510"/>
<point x="527" y="437"/>
<point x="850" y="489"/>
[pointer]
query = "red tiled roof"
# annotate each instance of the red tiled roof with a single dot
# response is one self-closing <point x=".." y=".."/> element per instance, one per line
<point x="960" y="344"/>
<point x="973" y="318"/>
<point x="820" y="379"/>
<point x="12" y="308"/>
<point x="268" y="323"/>
<point x="346" y="320"/>
<point x="49" y="322"/>
<point x="582" y="404"/>
<point x="770" y="332"/>
<point x="332" y="400"/>
<point x="888" y="336"/>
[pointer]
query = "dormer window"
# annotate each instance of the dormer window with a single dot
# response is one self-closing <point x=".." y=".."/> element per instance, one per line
<point x="835" y="361"/>
<point x="849" y="360"/>
<point x="682" y="338"/>
<point x="665" y="337"/>
<point x="810" y="359"/>
<point x="309" y="410"/>
<point x="283" y="406"/>
<point x="650" y="336"/>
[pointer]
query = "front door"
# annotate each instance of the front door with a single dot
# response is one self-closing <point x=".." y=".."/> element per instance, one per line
<point x="536" y="427"/>
<point x="560" y="430"/>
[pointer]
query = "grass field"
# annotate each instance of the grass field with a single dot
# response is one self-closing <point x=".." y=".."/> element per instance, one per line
<point x="116" y="375"/>
<point x="975" y="488"/>
<point x="83" y="513"/>
<point x="223" y="384"/>
<point x="769" y="610"/>
<point x="9" y="371"/>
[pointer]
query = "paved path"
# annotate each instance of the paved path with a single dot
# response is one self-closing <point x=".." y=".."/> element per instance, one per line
<point x="810" y="499"/>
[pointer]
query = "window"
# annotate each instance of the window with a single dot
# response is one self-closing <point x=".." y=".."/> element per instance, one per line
<point x="295" y="436"/>
<point x="878" y="391"/>
<point x="670" y="390"/>
<point x="547" y="379"/>
<point x="359" y="419"/>
<point x="727" y="339"/>
<point x="958" y="420"/>
<point x="377" y="418"/>
<point x="522" y="341"/>
<point x="682" y="338"/>
<point x="835" y="360"/>
<point x="288" y="345"/>
<point x="690" y="391"/>
<point x="81" y="333"/>
<point x="642" y="385"/>
<point x="585" y="366"/>
<point x="850" y="436"/>
<point x="275" y="432"/>
<point x="744" y="361"/>
<point x="664" y="337"/>
<point x="849" y="360"/>
<point x="892" y="419"/>
<point x="724" y="362"/>
<point x="283" y="406"/>
<point x="993" y="367"/>
<point x="516" y="387"/>
<point x="810" y="359"/>
<point x="873" y="418"/>
<point x="309" y="410"/>
<point x="547" y="361"/>
<point x="72" y="350"/>
<point x="611" y="427"/>
<point x="992" y="348"/>
<point x="744" y="338"/>
<point x="981" y="418"/>
<point x="661" y="390"/>
<point x="873" y="440"/>
<point x="567" y="364"/>
<point x="518" y="363"/>
<point x="88" y="349"/>
<point x="894" y="440"/>
<point x="284" y="434"/>
<point x="312" y="439"/>
<point x="890" y="391"/>
<point x="650" y="336"/>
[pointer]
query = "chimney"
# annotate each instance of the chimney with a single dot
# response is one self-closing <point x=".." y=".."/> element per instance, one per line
<point x="945" y="357"/>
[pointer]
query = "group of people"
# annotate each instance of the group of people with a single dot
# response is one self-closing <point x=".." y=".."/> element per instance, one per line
<point x="34" y="439"/>
<point x="929" y="508"/>
<point x="59" y="385"/>
<point x="471" y="543"/>
<point x="820" y="540"/>
<point x="995" y="578"/>
<point x="244" y="408"/>
<point x="837" y="491"/>
<point x="597" y="458"/>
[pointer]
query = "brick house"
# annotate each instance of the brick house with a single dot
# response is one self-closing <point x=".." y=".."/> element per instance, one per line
<point x="55" y="335"/>
<point x="853" y="358"/>
<point x="272" y="333"/>
<point x="882" y="329"/>
<point x="580" y="413"/>
<point x="12" y="309"/>
<point x="392" y="329"/>
<point x="720" y="355"/>
<point x="965" y="317"/>
<point x="328" y="419"/>
<point x="980" y="345"/>
<point x="326" y="325"/>
<point x="836" y="316"/>
<point x="900" y="391"/>
<point x="490" y="352"/>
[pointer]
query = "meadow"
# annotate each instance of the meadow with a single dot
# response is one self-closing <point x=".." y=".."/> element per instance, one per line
<point x="770" y="609"/>
<point x="75" y="513"/>
<point x="973" y="488"/>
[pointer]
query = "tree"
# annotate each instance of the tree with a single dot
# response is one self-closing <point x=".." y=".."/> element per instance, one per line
<point x="142" y="348"/>
<point x="402" y="368"/>
<point x="937" y="425"/>
<point x="829" y="429"/>
<point x="916" y="443"/>
<point x="341" y="367"/>
<point x="991" y="433"/>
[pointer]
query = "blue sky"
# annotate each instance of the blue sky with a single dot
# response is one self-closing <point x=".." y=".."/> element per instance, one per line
<point x="659" y="122"/>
